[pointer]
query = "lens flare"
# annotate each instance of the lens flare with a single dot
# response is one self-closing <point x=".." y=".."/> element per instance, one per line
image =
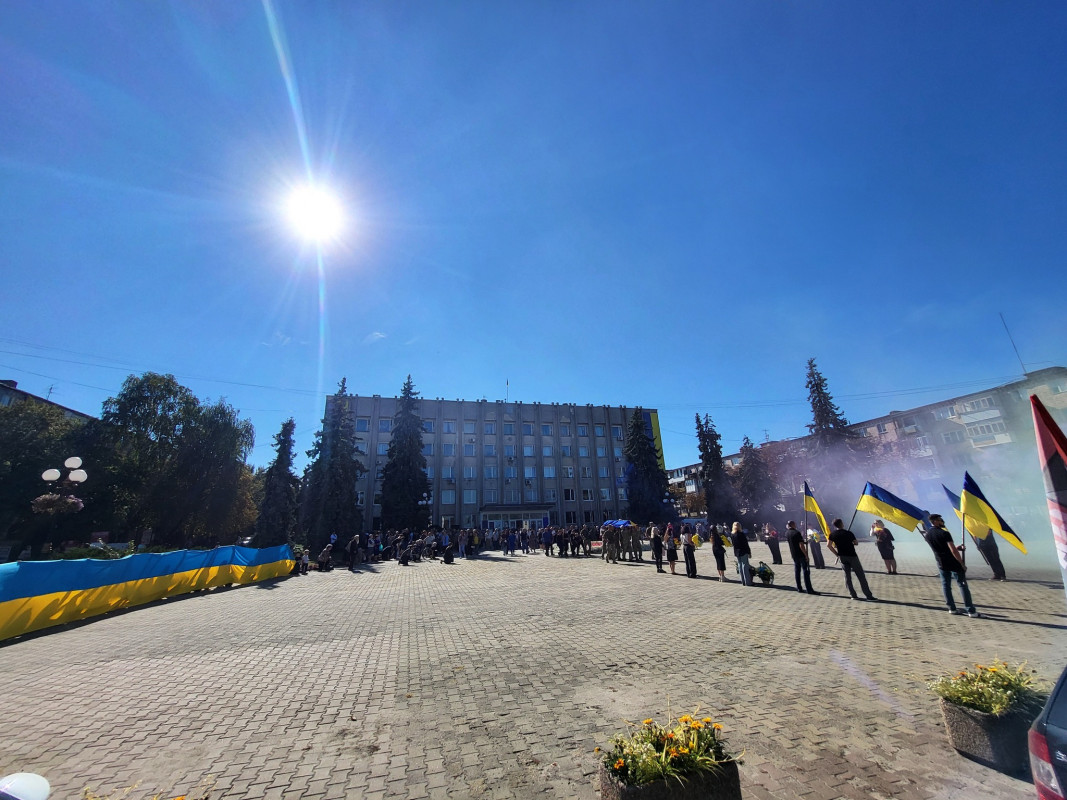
<point x="315" y="214"/>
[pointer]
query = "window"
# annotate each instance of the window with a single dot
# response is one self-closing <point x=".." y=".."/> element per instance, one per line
<point x="377" y="498"/>
<point x="427" y="449"/>
<point x="605" y="495"/>
<point x="546" y="430"/>
<point x="385" y="425"/>
<point x="427" y="425"/>
<point x="571" y="517"/>
<point x="602" y="452"/>
<point x="509" y="428"/>
<point x="468" y="450"/>
<point x="583" y="451"/>
<point x="979" y="405"/>
<point x="448" y="497"/>
<point x="491" y="471"/>
<point x="511" y="472"/>
<point x="529" y="472"/>
<point x="1058" y="388"/>
<point x="616" y="432"/>
<point x="527" y="450"/>
<point x="469" y="425"/>
<point x="583" y="430"/>
<point x="490" y="428"/>
<point x="952" y="436"/>
<point x="587" y="516"/>
<point x="489" y="496"/>
<point x="568" y="472"/>
<point x="509" y="450"/>
<point x="448" y="449"/>
<point x="531" y="495"/>
<point x="564" y="430"/>
<point x="622" y="493"/>
<point x="429" y="473"/>
<point x="945" y="413"/>
<point x="587" y="494"/>
<point x="598" y="430"/>
<point x="511" y="496"/>
<point x="449" y="472"/>
<point x="618" y="452"/>
<point x="882" y="427"/>
<point x="565" y="450"/>
<point x="587" y="472"/>
<point x="550" y="472"/>
<point x="469" y="472"/>
<point x="546" y="451"/>
<point x="383" y="448"/>
<point x="527" y="429"/>
<point x="550" y="495"/>
<point x="362" y="425"/>
<point x="986" y="429"/>
<point x="602" y="472"/>
<point x="490" y="449"/>
<point x="568" y="495"/>
<point x="922" y="442"/>
<point x="448" y="426"/>
<point x="470" y="497"/>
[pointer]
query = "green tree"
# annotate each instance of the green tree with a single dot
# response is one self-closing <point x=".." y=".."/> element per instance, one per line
<point x="828" y="425"/>
<point x="646" y="481"/>
<point x="279" y="509"/>
<point x="718" y="493"/>
<point x="404" y="481"/>
<point x="33" y="437"/>
<point x="752" y="479"/>
<point x="328" y="498"/>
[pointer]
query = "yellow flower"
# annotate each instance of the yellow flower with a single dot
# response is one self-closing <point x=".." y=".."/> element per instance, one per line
<point x="706" y="720"/>
<point x="685" y="718"/>
<point x="596" y="749"/>
<point x="717" y="726"/>
<point x="620" y="764"/>
<point x="648" y="722"/>
<point x="683" y="750"/>
<point x="696" y="725"/>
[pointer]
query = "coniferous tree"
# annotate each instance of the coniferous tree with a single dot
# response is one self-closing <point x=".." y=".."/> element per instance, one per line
<point x="646" y="481"/>
<point x="828" y="425"/>
<point x="328" y="502"/>
<point x="753" y="479"/>
<point x="279" y="509"/>
<point x="405" y="487"/>
<point x="718" y="493"/>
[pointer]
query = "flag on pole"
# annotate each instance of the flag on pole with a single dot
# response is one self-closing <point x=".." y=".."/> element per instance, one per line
<point x="812" y="505"/>
<point x="1052" y="451"/>
<point x="876" y="500"/>
<point x="974" y="507"/>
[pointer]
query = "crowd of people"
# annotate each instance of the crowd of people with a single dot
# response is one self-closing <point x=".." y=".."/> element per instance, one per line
<point x="626" y="542"/>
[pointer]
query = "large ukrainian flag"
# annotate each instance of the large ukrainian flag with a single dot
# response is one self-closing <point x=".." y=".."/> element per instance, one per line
<point x="876" y="500"/>
<point x="39" y="594"/>
<point x="812" y="505"/>
<point x="976" y="510"/>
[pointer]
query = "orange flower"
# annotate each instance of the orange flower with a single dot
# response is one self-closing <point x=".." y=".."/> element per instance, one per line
<point x="648" y="722"/>
<point x="706" y="720"/>
<point x="685" y="718"/>
<point x="696" y="725"/>
<point x="620" y="764"/>
<point x="717" y="726"/>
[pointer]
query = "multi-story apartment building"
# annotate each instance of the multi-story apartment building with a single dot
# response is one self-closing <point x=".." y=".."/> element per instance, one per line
<point x="495" y="464"/>
<point x="989" y="433"/>
<point x="10" y="393"/>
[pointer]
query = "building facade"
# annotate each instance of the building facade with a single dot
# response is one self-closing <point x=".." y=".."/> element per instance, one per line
<point x="10" y="393"/>
<point x="499" y="464"/>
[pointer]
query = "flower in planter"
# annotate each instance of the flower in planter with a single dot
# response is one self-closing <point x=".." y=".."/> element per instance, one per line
<point x="994" y="689"/>
<point x="650" y="752"/>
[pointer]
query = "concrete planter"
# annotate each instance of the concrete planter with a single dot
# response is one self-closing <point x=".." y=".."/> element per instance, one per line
<point x="997" y="742"/>
<point x="722" y="785"/>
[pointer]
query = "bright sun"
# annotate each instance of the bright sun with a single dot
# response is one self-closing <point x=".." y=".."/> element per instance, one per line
<point x="315" y="214"/>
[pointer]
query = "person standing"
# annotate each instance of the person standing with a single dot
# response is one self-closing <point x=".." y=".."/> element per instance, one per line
<point x="718" y="549"/>
<point x="656" y="537"/>
<point x="798" y="551"/>
<point x="770" y="535"/>
<point x="989" y="550"/>
<point x="950" y="564"/>
<point x="884" y="542"/>
<point x="672" y="547"/>
<point x="742" y="552"/>
<point x="843" y="545"/>
<point x="815" y="548"/>
<point x="689" y="552"/>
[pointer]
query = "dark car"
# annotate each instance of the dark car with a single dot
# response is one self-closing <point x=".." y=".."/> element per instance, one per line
<point x="1048" y="745"/>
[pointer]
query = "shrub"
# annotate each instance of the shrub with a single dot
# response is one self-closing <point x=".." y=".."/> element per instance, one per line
<point x="995" y="689"/>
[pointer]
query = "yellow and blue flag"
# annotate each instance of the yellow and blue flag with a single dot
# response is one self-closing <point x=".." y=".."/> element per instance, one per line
<point x="876" y="500"/>
<point x="812" y="505"/>
<point x="974" y="507"/>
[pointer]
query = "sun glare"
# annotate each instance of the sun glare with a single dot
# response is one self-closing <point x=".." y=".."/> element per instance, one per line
<point x="315" y="214"/>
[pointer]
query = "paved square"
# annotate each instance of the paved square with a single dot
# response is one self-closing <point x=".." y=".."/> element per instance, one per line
<point x="496" y="678"/>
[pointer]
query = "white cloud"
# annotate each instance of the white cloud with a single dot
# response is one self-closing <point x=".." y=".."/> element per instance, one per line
<point x="373" y="337"/>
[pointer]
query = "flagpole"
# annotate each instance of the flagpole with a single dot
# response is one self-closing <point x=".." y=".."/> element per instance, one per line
<point x="963" y="519"/>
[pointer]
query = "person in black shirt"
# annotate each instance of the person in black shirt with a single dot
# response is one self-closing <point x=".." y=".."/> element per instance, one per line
<point x="949" y="564"/>
<point x="843" y="545"/>
<point x="988" y="548"/>
<point x="799" y="553"/>
<point x="742" y="552"/>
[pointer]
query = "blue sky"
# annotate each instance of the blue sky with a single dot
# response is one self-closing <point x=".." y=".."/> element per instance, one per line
<point x="665" y="204"/>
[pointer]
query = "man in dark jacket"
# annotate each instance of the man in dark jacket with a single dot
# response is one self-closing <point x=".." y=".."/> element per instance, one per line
<point x="742" y="552"/>
<point x="949" y="564"/>
<point x="798" y="550"/>
<point x="842" y="544"/>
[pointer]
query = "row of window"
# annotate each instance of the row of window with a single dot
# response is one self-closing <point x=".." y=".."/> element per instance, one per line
<point x="489" y="428"/>
<point x="489" y="449"/>
<point x="492" y="471"/>
<point x="530" y="495"/>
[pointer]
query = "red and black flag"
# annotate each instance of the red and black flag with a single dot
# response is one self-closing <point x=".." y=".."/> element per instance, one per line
<point x="1052" y="450"/>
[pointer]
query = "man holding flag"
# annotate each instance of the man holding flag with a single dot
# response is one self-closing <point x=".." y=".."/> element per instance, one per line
<point x="950" y="564"/>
